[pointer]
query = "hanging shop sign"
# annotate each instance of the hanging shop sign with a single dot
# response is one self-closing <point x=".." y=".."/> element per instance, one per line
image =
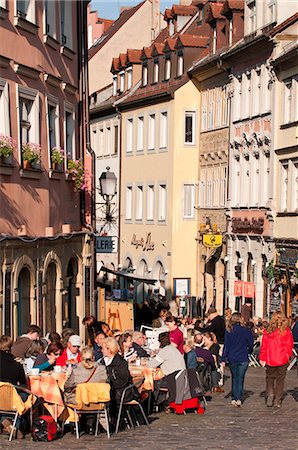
<point x="249" y="290"/>
<point x="106" y="244"/>
<point x="145" y="244"/>
<point x="288" y="257"/>
<point x="254" y="225"/>
<point x="238" y="288"/>
<point x="212" y="240"/>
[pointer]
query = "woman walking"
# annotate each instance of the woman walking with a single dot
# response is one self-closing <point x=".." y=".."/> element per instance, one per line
<point x="238" y="343"/>
<point x="276" y="349"/>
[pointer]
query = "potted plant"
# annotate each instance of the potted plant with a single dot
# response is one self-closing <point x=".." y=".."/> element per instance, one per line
<point x="57" y="158"/>
<point x="31" y="154"/>
<point x="77" y="173"/>
<point x="7" y="147"/>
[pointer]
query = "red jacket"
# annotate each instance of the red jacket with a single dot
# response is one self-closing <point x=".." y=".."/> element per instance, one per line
<point x="276" y="347"/>
<point x="61" y="361"/>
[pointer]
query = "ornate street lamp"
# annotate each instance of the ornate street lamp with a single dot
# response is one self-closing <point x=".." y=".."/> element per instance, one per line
<point x="108" y="186"/>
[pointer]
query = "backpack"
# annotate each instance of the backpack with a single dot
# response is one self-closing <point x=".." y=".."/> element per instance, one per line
<point x="44" y="429"/>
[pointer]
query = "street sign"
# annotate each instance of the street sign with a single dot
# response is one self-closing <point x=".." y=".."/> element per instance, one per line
<point x="106" y="244"/>
<point x="212" y="240"/>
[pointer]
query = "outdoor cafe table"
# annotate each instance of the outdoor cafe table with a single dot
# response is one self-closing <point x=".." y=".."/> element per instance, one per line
<point x="150" y="375"/>
<point x="49" y="386"/>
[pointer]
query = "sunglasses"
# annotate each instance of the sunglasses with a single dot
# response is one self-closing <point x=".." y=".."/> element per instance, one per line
<point x="77" y="346"/>
<point x="57" y="354"/>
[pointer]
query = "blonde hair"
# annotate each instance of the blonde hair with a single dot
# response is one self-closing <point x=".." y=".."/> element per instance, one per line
<point x="87" y="357"/>
<point x="111" y="344"/>
<point x="189" y="342"/>
<point x="236" y="319"/>
<point x="278" y="322"/>
<point x="211" y="336"/>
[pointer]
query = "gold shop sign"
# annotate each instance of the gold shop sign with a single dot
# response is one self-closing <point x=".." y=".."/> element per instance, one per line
<point x="212" y="240"/>
<point x="145" y="243"/>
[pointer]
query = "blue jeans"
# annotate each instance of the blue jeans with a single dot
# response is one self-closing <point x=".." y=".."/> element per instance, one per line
<point x="238" y="371"/>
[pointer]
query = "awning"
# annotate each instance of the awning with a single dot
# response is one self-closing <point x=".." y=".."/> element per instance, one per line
<point x="128" y="276"/>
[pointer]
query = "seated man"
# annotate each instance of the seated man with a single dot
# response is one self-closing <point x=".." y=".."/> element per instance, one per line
<point x="169" y="359"/>
<point x="71" y="354"/>
<point x="203" y="353"/>
<point x="139" y="339"/>
<point x="22" y="343"/>
<point x="99" y="337"/>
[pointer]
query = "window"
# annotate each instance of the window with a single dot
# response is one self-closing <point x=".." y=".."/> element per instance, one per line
<point x="162" y="202"/>
<point x="122" y="81"/>
<point x="4" y="108"/>
<point x="272" y="10"/>
<point x="116" y="139"/>
<point x="204" y="111"/>
<point x="189" y="137"/>
<point x="214" y="37"/>
<point x="28" y="115"/>
<point x="150" y="202"/>
<point x="69" y="123"/>
<point x="3" y="4"/>
<point x="50" y="18"/>
<point x="209" y="188"/>
<point x="180" y="64"/>
<point x="210" y="109"/>
<point x="26" y="9"/>
<point x="223" y="185"/>
<point x="202" y="189"/>
<point x="151" y="132"/>
<point x="163" y="130"/>
<point x="231" y="31"/>
<point x="128" y="203"/>
<point x="284" y="185"/>
<point x="66" y="23"/>
<point x="129" y="78"/>
<point x="100" y="142"/>
<point x="145" y="75"/>
<point x="256" y="82"/>
<point x="188" y="201"/>
<point x="53" y="123"/>
<point x="252" y="16"/>
<point x="114" y="85"/>
<point x="140" y="133"/>
<point x="295" y="187"/>
<point x="129" y="136"/>
<point x="108" y="146"/>
<point x="167" y="68"/>
<point x="139" y="203"/>
<point x="290" y="104"/>
<point x="155" y="71"/>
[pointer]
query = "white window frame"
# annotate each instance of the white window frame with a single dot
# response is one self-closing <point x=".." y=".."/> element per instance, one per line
<point x="3" y="4"/>
<point x="252" y="15"/>
<point x="180" y="63"/>
<point x="202" y="188"/>
<point x="66" y="27"/>
<point x="271" y="11"/>
<point x="53" y="102"/>
<point x="223" y="186"/>
<point x="155" y="70"/>
<point x="284" y="186"/>
<point x="108" y="140"/>
<point x="129" y="135"/>
<point x="145" y="74"/>
<point x="162" y="202"/>
<point x="188" y="210"/>
<point x="150" y="202"/>
<point x="27" y="13"/>
<point x="139" y="202"/>
<point x="116" y="140"/>
<point x="128" y="202"/>
<point x="140" y="133"/>
<point x="69" y="109"/>
<point x="167" y="68"/>
<point x="290" y="113"/>
<point x="33" y="96"/>
<point x="129" y="78"/>
<point x="163" y="130"/>
<point x="151" y="131"/>
<point x="122" y="81"/>
<point x="231" y="31"/>
<point x="50" y="18"/>
<point x="204" y="109"/>
<point x="4" y="108"/>
<point x="214" y="39"/>
<point x="191" y="114"/>
<point x="115" y="83"/>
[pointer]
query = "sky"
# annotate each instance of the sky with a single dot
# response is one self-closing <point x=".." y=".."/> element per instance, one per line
<point x="109" y="9"/>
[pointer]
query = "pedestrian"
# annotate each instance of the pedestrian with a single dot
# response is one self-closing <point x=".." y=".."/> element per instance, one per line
<point x="238" y="343"/>
<point x="176" y="335"/>
<point x="215" y="324"/>
<point x="276" y="349"/>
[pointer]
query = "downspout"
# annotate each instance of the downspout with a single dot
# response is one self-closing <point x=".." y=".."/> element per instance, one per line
<point x="119" y="182"/>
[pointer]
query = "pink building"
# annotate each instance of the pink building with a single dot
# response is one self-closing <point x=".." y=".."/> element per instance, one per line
<point x="96" y="26"/>
<point x="44" y="249"/>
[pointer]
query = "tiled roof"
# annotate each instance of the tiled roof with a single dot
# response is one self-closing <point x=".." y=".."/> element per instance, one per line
<point x="190" y="40"/>
<point x="214" y="12"/>
<point x="163" y="35"/>
<point x="115" y="64"/>
<point x="106" y="23"/>
<point x="122" y="19"/>
<point x="168" y="14"/>
<point x="199" y="2"/>
<point x="157" y="48"/>
<point x="284" y="24"/>
<point x="184" y="10"/>
<point x="133" y="56"/>
<point x="233" y="5"/>
<point x="122" y="59"/>
<point x="170" y="43"/>
<point x="146" y="52"/>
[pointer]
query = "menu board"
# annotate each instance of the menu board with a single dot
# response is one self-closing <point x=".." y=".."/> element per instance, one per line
<point x="275" y="299"/>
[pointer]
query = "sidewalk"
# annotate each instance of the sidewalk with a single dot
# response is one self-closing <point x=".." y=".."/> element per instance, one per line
<point x="254" y="426"/>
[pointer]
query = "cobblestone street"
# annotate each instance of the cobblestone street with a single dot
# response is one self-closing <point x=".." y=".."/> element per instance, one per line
<point x="254" y="426"/>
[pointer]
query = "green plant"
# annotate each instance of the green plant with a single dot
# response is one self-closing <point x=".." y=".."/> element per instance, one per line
<point x="31" y="152"/>
<point x="7" y="145"/>
<point x="57" y="155"/>
<point x="78" y="173"/>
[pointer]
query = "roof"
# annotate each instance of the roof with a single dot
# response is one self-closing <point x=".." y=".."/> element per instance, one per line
<point x="122" y="19"/>
<point x="184" y="10"/>
<point x="146" y="53"/>
<point x="115" y="64"/>
<point x="190" y="40"/>
<point x="122" y="59"/>
<point x="232" y="5"/>
<point x="168" y="14"/>
<point x="170" y="44"/>
<point x="106" y="23"/>
<point x="284" y="24"/>
<point x="157" y="48"/>
<point x="214" y="12"/>
<point x="133" y="56"/>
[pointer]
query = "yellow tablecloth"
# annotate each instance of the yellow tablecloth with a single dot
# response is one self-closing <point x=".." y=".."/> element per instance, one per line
<point x="150" y="375"/>
<point x="49" y="387"/>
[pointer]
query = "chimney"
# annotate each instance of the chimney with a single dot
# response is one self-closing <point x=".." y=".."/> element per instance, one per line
<point x="155" y="19"/>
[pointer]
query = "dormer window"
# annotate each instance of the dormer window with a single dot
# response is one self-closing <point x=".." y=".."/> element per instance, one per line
<point x="214" y="36"/>
<point x="180" y="64"/>
<point x="122" y="81"/>
<point x="114" y="85"/>
<point x="145" y="75"/>
<point x="129" y="78"/>
<point x="231" y="31"/>
<point x="155" y="71"/>
<point x="168" y="67"/>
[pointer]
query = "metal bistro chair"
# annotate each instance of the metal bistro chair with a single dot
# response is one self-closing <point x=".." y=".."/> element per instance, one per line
<point x="11" y="404"/>
<point x="126" y="406"/>
<point x="295" y="356"/>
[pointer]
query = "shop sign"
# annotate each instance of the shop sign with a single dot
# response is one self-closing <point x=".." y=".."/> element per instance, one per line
<point x="238" y="288"/>
<point x="212" y="240"/>
<point x="145" y="243"/>
<point x="254" y="225"/>
<point x="106" y="244"/>
<point x="288" y="257"/>
<point x="249" y="290"/>
<point x="204" y="228"/>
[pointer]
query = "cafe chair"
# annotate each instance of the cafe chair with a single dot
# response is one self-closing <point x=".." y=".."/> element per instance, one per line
<point x="11" y="403"/>
<point x="294" y="356"/>
<point x="128" y="407"/>
<point x="92" y="398"/>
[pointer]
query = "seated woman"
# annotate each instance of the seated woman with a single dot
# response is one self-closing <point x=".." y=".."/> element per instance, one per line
<point x="36" y="348"/>
<point x="47" y="361"/>
<point x="86" y="371"/>
<point x="190" y="354"/>
<point x="126" y="347"/>
<point x="169" y="358"/>
<point x="211" y="344"/>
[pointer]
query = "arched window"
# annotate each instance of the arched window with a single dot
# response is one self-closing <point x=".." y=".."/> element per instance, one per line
<point x="24" y="318"/>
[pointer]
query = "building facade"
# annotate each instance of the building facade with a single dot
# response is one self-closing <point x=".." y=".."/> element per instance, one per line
<point x="45" y="251"/>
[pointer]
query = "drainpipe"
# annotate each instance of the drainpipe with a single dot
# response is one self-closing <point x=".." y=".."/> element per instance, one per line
<point x="119" y="183"/>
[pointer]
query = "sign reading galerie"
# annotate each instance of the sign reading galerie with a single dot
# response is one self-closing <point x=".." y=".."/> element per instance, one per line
<point x="145" y="244"/>
<point x="106" y="244"/>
